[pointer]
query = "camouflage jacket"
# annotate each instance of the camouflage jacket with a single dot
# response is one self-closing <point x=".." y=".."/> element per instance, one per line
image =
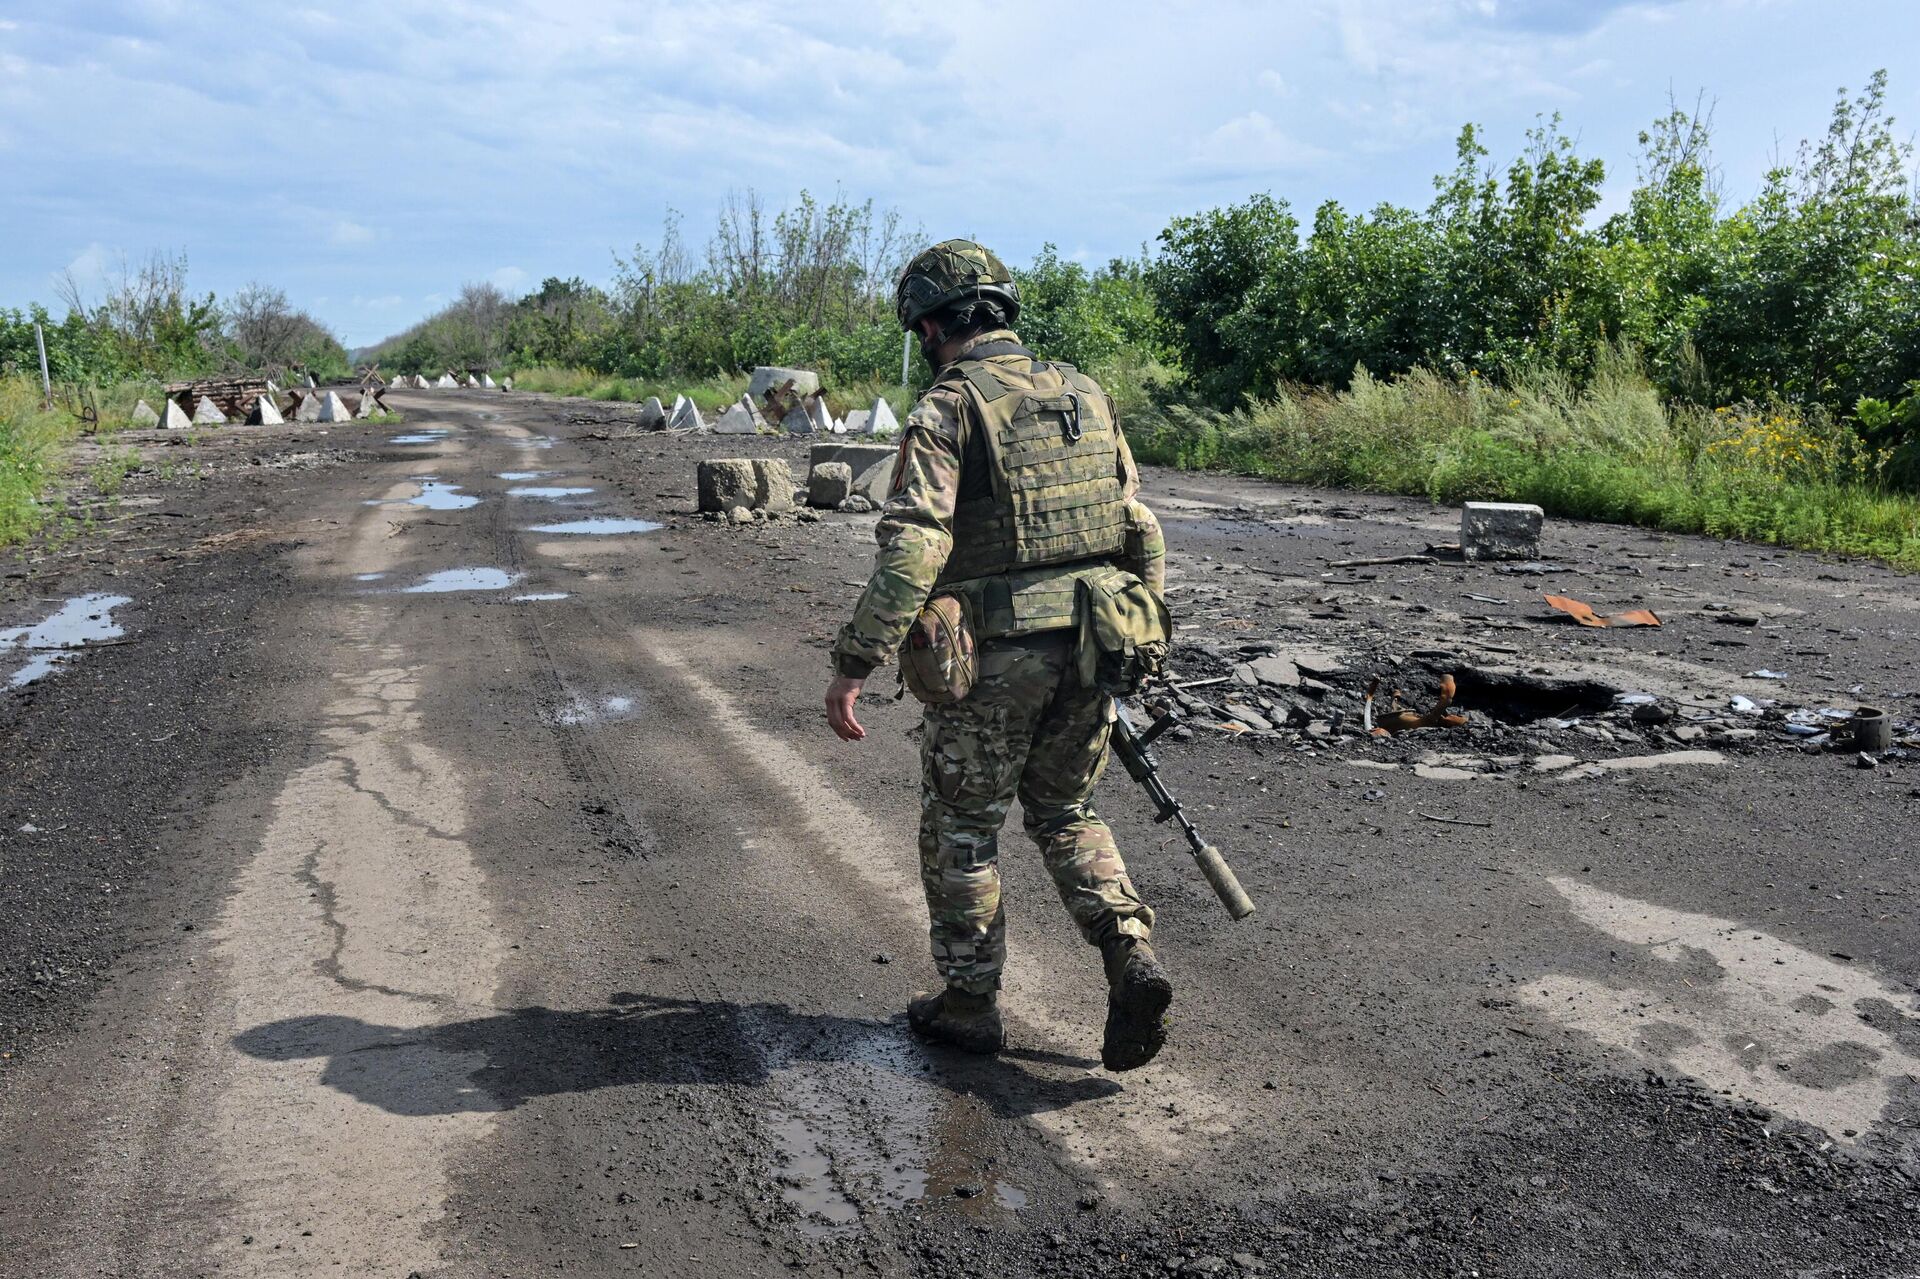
<point x="915" y="532"/>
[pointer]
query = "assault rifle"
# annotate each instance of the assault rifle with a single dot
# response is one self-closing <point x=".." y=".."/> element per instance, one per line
<point x="1131" y="747"/>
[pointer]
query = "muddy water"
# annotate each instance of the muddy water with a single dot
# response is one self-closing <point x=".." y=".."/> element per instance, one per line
<point x="462" y="579"/>
<point x="549" y="491"/>
<point x="601" y="527"/>
<point x="79" y="621"/>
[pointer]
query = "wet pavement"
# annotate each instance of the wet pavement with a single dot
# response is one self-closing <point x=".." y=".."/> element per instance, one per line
<point x="565" y="937"/>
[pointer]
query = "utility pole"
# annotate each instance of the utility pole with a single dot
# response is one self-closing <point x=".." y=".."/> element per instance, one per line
<point x="906" y="357"/>
<point x="46" y="383"/>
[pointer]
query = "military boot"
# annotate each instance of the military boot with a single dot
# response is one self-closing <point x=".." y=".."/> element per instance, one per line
<point x="962" y="1020"/>
<point x="1138" y="992"/>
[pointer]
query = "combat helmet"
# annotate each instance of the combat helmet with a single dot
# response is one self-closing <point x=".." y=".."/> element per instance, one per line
<point x="954" y="272"/>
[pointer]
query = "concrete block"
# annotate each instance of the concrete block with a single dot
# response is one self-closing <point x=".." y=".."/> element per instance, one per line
<point x="333" y="408"/>
<point x="207" y="413"/>
<point x="310" y="381"/>
<point x="768" y="378"/>
<point x="772" y="484"/>
<point x="369" y="405"/>
<point x="486" y="381"/>
<point x="829" y="484"/>
<point x="1500" y="531"/>
<point x="308" y="409"/>
<point x="876" y="481"/>
<point x="882" y="421"/>
<point x="144" y="416"/>
<point x="266" y="412"/>
<point x="856" y="422"/>
<point x="446" y="382"/>
<point x="652" y="416"/>
<point x="174" y="418"/>
<point x="685" y="416"/>
<point x="506" y="383"/>
<point x="724" y="483"/>
<point x="857" y="456"/>
<point x="740" y="419"/>
<point x="797" y="421"/>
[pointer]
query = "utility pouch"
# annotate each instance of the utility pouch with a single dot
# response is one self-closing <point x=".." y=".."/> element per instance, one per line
<point x="938" y="661"/>
<point x="1126" y="633"/>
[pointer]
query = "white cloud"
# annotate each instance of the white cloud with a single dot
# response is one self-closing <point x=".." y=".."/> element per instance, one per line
<point x="347" y="234"/>
<point x="1253" y="144"/>
<point x="509" y="278"/>
<point x="89" y="267"/>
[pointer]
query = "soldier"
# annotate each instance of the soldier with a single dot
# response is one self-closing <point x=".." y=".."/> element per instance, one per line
<point x="1013" y="481"/>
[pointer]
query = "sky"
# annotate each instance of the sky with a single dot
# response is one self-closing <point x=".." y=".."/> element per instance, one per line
<point x="370" y="159"/>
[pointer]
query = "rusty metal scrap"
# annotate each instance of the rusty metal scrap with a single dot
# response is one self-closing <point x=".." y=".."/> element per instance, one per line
<point x="1400" y="720"/>
<point x="1583" y="613"/>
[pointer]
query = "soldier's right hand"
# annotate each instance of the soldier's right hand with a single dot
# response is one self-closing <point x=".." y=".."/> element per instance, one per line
<point x="842" y="692"/>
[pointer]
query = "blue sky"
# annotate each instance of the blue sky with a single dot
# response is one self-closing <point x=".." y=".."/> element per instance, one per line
<point x="371" y="158"/>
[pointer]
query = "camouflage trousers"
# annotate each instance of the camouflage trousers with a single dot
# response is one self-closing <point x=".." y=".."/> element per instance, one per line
<point x="1028" y="729"/>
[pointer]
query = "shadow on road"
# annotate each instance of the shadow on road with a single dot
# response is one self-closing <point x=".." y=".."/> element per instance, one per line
<point x="640" y="1039"/>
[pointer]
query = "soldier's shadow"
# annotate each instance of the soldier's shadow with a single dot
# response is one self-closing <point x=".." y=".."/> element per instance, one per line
<point x="499" y="1061"/>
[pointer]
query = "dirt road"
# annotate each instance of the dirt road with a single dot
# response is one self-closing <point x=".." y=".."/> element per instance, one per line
<point x="420" y="874"/>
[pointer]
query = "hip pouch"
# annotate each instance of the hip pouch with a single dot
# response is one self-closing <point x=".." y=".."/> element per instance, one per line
<point x="1126" y="633"/>
<point x="938" y="661"/>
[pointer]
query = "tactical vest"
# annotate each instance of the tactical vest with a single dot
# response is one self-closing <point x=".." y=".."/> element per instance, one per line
<point x="1056" y="507"/>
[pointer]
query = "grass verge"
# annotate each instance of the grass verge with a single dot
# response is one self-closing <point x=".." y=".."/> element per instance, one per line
<point x="1607" y="451"/>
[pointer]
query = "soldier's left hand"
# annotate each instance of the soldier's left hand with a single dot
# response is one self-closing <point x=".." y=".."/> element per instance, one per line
<point x="841" y="694"/>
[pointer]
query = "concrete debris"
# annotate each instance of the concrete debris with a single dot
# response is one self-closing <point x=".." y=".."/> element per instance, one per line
<point x="174" y="418"/>
<point x="876" y="482"/>
<point x="685" y="416"/>
<point x="857" y="456"/>
<point x="725" y="483"/>
<point x="739" y="515"/>
<point x="144" y="416"/>
<point x="266" y="412"/>
<point x="856" y="505"/>
<point x="333" y="408"/>
<point x="829" y="484"/>
<point x="881" y="421"/>
<point x="653" y="416"/>
<point x="777" y="392"/>
<point x="772" y="484"/>
<point x="1500" y="530"/>
<point x="1640" y="763"/>
<point x="207" y="413"/>
<point x="741" y="418"/>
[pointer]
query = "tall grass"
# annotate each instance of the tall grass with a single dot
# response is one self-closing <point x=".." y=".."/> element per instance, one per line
<point x="1611" y="450"/>
<point x="712" y="395"/>
<point x="30" y="440"/>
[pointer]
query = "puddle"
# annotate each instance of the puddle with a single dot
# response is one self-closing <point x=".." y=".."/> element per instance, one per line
<point x="1808" y="1035"/>
<point x="434" y="495"/>
<point x="1012" y="1198"/>
<point x="598" y="527"/>
<point x="520" y="477"/>
<point x="79" y="621"/>
<point x="418" y="437"/>
<point x="542" y="596"/>
<point x="368" y="577"/>
<point x="463" y="579"/>
<point x="550" y="490"/>
<point x="584" y="711"/>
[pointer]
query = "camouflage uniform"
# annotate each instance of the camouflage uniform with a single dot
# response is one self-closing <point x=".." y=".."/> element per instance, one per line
<point x="1029" y="728"/>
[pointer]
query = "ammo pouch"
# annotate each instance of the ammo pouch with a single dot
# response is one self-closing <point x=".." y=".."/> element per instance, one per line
<point x="938" y="660"/>
<point x="1126" y="633"/>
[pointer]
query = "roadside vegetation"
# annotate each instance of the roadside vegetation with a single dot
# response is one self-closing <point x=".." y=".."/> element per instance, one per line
<point x="105" y="356"/>
<point x="1691" y="362"/>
